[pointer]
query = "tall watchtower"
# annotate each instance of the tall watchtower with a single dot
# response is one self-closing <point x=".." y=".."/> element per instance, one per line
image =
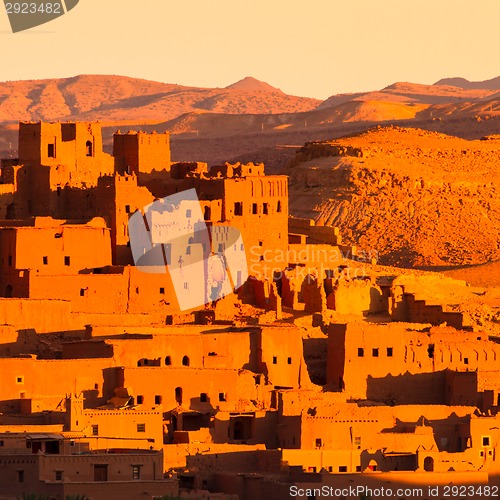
<point x="140" y="152"/>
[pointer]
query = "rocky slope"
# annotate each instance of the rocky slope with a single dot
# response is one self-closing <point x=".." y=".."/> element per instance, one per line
<point x="119" y="98"/>
<point x="418" y="198"/>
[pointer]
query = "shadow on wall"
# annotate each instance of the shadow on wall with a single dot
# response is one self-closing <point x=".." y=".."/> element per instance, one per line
<point x="28" y="342"/>
<point x="447" y="387"/>
<point x="315" y="354"/>
<point x="422" y="388"/>
<point x="451" y="434"/>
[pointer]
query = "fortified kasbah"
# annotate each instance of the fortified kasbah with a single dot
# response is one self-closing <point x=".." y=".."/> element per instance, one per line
<point x="168" y="330"/>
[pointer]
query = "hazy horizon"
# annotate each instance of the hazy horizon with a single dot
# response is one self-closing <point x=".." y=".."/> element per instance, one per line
<point x="324" y="49"/>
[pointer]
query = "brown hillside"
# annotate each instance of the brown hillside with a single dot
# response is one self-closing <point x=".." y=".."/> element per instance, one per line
<point x="463" y="83"/>
<point x="118" y="98"/>
<point x="405" y="92"/>
<point x="487" y="275"/>
<point x="418" y="198"/>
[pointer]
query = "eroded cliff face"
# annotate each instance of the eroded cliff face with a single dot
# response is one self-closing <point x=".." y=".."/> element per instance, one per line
<point x="418" y="198"/>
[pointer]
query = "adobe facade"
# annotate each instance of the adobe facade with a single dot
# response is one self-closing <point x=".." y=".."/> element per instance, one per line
<point x="323" y="369"/>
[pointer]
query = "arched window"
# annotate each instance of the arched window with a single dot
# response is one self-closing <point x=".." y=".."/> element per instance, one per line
<point x="185" y="361"/>
<point x="428" y="464"/>
<point x="178" y="395"/>
<point x="89" y="149"/>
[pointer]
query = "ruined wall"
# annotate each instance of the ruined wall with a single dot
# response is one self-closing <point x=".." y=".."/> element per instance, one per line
<point x="359" y="296"/>
<point x="407" y="307"/>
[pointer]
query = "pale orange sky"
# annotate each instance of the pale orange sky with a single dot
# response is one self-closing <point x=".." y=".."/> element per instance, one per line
<point x="315" y="48"/>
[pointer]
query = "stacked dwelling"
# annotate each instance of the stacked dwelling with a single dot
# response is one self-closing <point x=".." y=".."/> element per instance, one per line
<point x="318" y="372"/>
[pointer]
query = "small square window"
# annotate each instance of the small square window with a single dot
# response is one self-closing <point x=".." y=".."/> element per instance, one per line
<point x="203" y="397"/>
<point x="20" y="476"/>
<point x="45" y="260"/>
<point x="255" y="209"/>
<point x="67" y="260"/>
<point x="265" y="208"/>
<point x="140" y="400"/>
<point x="342" y="468"/>
<point x="136" y="472"/>
<point x="330" y="468"/>
<point x="318" y="443"/>
<point x="361" y="352"/>
<point x="127" y="209"/>
<point x="162" y="291"/>
<point x="141" y="427"/>
<point x="289" y="361"/>
<point x="486" y="440"/>
<point x="157" y="400"/>
<point x="375" y="352"/>
<point x="82" y="292"/>
<point x="59" y="475"/>
<point x="20" y="380"/>
<point x="358" y="468"/>
<point x="222" y="396"/>
<point x="188" y="213"/>
<point x="466" y="361"/>
<point x="2" y="444"/>
<point x="389" y="352"/>
<point x="95" y="430"/>
<point x="51" y="150"/>
<point x="275" y="360"/>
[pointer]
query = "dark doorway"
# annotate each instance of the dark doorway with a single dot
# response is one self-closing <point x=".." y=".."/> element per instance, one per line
<point x="207" y="214"/>
<point x="100" y="472"/>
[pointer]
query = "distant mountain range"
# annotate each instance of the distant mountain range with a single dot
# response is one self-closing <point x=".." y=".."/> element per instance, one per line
<point x="118" y="98"/>
<point x="135" y="101"/>
<point x="248" y="106"/>
<point x="493" y="84"/>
